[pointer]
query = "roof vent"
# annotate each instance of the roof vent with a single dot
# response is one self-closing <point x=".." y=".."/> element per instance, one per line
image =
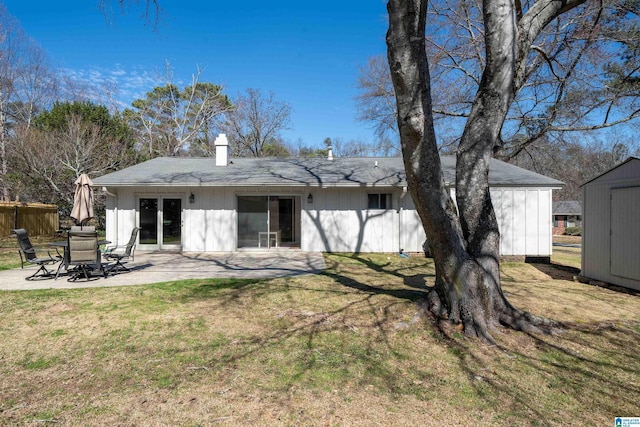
<point x="222" y="150"/>
<point x="329" y="152"/>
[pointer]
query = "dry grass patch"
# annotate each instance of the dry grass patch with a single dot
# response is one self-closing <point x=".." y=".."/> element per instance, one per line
<point x="567" y="239"/>
<point x="344" y="348"/>
<point x="567" y="256"/>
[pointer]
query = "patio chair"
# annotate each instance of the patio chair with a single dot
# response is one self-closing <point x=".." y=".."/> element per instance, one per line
<point x="28" y="256"/>
<point x="83" y="228"/>
<point x="127" y="253"/>
<point x="84" y="254"/>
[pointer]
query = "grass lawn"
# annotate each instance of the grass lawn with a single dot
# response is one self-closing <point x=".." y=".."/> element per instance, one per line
<point x="565" y="255"/>
<point x="346" y="348"/>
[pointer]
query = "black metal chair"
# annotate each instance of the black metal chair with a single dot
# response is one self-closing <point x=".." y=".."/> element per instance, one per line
<point x="127" y="253"/>
<point x="84" y="254"/>
<point x="28" y="256"/>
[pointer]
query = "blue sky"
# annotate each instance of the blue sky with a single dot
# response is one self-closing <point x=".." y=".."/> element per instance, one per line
<point x="307" y="53"/>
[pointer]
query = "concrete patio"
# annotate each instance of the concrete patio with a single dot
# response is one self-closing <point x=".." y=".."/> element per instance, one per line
<point x="153" y="267"/>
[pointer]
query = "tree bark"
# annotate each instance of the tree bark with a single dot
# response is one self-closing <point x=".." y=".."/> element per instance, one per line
<point x="4" y="140"/>
<point x="458" y="294"/>
<point x="465" y="248"/>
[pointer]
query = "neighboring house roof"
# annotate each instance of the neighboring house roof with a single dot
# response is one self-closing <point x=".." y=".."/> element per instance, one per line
<point x="299" y="171"/>
<point x="567" y="207"/>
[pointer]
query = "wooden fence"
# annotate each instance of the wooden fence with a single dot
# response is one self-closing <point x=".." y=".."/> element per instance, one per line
<point x="37" y="218"/>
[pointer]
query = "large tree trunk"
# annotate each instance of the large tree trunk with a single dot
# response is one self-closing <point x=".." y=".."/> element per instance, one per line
<point x="459" y="292"/>
<point x="466" y="252"/>
<point x="480" y="136"/>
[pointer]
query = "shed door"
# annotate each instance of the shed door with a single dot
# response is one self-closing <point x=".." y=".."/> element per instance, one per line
<point x="625" y="232"/>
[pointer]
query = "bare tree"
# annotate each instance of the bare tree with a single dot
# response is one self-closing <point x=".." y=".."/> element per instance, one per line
<point x="253" y="128"/>
<point x="53" y="152"/>
<point x="376" y="104"/>
<point x="353" y="148"/>
<point x="27" y="84"/>
<point x="150" y="11"/>
<point x="582" y="74"/>
<point x="464" y="243"/>
<point x="169" y="120"/>
<point x="576" y="158"/>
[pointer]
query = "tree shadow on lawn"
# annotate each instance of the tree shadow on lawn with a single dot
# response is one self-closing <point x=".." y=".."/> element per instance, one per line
<point x="590" y="368"/>
<point x="587" y="364"/>
<point x="416" y="281"/>
<point x="347" y="338"/>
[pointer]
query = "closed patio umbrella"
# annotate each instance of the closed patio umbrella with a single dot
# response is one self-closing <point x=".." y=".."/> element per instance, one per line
<point x="83" y="200"/>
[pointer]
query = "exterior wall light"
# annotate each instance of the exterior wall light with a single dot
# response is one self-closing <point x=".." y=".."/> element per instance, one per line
<point x="192" y="198"/>
<point x="310" y="198"/>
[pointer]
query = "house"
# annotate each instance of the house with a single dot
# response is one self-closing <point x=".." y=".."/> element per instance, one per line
<point x="311" y="204"/>
<point x="566" y="213"/>
<point x="611" y="226"/>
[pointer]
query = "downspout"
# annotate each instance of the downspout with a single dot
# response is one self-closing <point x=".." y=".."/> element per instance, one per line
<point x="400" y="209"/>
<point x="115" y="212"/>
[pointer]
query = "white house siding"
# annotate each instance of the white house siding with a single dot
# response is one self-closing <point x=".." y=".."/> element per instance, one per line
<point x="337" y="220"/>
<point x="611" y="226"/>
<point x="210" y="223"/>
<point x="412" y="235"/>
<point x="524" y="218"/>
<point x="120" y="216"/>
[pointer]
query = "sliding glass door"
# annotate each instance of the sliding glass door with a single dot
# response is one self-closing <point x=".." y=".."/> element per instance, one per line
<point x="268" y="221"/>
<point x="253" y="221"/>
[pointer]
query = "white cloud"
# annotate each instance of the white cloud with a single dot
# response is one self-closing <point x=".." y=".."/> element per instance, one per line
<point x="116" y="87"/>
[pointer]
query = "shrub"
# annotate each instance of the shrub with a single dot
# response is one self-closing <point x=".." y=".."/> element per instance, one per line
<point x="573" y="231"/>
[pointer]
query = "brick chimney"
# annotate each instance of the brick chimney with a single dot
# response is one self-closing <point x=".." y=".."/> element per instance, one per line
<point x="222" y="150"/>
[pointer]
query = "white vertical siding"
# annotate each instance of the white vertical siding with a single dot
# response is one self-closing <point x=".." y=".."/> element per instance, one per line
<point x="211" y="222"/>
<point x="505" y="215"/>
<point x="531" y="225"/>
<point x="546" y="222"/>
<point x="524" y="220"/>
<point x="412" y="232"/>
<point x="121" y="217"/>
<point x="338" y="219"/>
<point x="519" y="231"/>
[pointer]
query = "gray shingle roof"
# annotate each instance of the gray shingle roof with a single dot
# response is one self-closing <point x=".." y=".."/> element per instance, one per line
<point x="567" y="207"/>
<point x="298" y="171"/>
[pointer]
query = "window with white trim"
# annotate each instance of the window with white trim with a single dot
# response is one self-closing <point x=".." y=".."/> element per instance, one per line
<point x="379" y="201"/>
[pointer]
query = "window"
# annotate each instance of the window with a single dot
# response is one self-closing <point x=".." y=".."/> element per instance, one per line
<point x="379" y="201"/>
